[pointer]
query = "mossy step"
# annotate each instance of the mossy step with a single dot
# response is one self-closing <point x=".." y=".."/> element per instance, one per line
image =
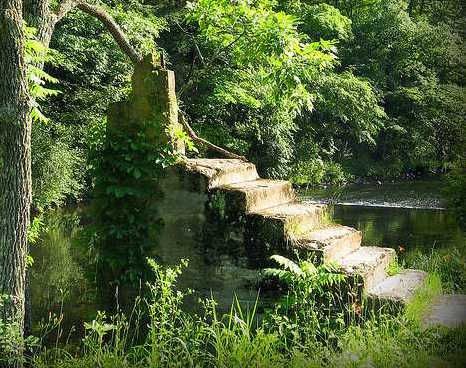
<point x="220" y="172"/>
<point x="368" y="265"/>
<point x="292" y="219"/>
<point x="256" y="195"/>
<point x="330" y="243"/>
<point x="399" y="288"/>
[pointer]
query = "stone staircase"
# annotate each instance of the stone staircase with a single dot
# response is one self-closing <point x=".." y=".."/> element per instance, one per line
<point x="223" y="202"/>
<point x="271" y="220"/>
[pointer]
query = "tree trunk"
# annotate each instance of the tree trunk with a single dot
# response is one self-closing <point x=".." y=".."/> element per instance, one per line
<point x="15" y="161"/>
<point x="15" y="141"/>
<point x="37" y="14"/>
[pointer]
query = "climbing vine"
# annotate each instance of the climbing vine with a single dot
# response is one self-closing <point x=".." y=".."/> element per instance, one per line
<point x="127" y="169"/>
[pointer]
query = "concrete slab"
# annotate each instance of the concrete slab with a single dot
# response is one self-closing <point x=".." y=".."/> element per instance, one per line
<point x="399" y="288"/>
<point x="293" y="218"/>
<point x="330" y="243"/>
<point x="446" y="310"/>
<point x="369" y="263"/>
<point x="220" y="172"/>
<point x="256" y="195"/>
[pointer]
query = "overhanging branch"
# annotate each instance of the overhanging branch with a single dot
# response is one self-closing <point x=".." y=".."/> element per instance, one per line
<point x="107" y="21"/>
<point x="192" y="134"/>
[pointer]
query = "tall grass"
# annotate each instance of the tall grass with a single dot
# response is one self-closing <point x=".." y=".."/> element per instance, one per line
<point x="307" y="329"/>
<point x="417" y="307"/>
<point x="449" y="264"/>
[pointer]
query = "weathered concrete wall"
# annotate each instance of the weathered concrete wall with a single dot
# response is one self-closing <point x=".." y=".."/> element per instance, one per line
<point x="190" y="210"/>
<point x="194" y="217"/>
<point x="151" y="107"/>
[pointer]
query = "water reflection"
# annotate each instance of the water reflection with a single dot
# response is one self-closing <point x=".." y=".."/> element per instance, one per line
<point x="63" y="274"/>
<point x="58" y="280"/>
<point x="411" y="229"/>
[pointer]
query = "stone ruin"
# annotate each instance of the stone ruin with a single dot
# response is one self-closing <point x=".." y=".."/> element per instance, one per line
<point x="224" y="204"/>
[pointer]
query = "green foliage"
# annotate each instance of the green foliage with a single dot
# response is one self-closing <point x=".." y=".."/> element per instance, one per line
<point x="140" y="22"/>
<point x="456" y="191"/>
<point x="36" y="54"/>
<point x="323" y="21"/>
<point x="258" y="66"/>
<point x="394" y="268"/>
<point x="57" y="168"/>
<point x="239" y="339"/>
<point x="309" y="88"/>
<point x="394" y="342"/>
<point x="93" y="73"/>
<point x="449" y="264"/>
<point x="35" y="229"/>
<point x="419" y="304"/>
<point x="263" y="81"/>
<point x="419" y="67"/>
<point x="12" y="340"/>
<point x="367" y="87"/>
<point x="347" y="107"/>
<point x="430" y="126"/>
<point x="126" y="169"/>
<point x="314" y="306"/>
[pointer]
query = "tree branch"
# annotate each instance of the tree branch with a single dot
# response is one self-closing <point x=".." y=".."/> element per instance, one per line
<point x="107" y="21"/>
<point x="112" y="27"/>
<point x="63" y="9"/>
<point x="210" y="145"/>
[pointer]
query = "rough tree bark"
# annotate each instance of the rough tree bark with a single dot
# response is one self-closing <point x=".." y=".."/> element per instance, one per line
<point x="15" y="163"/>
<point x="15" y="142"/>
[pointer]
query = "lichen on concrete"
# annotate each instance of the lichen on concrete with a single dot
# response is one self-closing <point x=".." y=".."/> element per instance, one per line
<point x="151" y="108"/>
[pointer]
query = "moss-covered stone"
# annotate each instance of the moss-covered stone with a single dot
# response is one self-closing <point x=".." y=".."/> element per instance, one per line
<point x="151" y="107"/>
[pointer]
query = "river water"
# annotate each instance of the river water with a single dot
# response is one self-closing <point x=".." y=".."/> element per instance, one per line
<point x="410" y="215"/>
<point x="406" y="216"/>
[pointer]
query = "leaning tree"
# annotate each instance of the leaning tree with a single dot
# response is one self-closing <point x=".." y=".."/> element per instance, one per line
<point x="15" y="136"/>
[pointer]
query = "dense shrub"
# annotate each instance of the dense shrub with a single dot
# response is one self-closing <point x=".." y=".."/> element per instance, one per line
<point x="455" y="191"/>
<point x="56" y="167"/>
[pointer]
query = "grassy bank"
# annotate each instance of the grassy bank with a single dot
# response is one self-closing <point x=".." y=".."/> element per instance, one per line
<point x="308" y="328"/>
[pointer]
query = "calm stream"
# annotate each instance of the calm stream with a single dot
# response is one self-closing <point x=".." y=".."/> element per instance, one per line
<point x="407" y="216"/>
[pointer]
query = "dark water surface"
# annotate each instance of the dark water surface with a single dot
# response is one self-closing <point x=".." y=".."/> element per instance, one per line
<point x="410" y="215"/>
<point x="409" y="228"/>
<point x="403" y="215"/>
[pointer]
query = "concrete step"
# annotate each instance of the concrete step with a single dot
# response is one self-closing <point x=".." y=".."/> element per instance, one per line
<point x="368" y="265"/>
<point x="220" y="172"/>
<point x="447" y="311"/>
<point x="256" y="195"/>
<point x="330" y="243"/>
<point x="292" y="219"/>
<point x="272" y="229"/>
<point x="399" y="288"/>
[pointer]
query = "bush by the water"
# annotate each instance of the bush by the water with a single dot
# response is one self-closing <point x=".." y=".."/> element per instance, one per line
<point x="456" y="191"/>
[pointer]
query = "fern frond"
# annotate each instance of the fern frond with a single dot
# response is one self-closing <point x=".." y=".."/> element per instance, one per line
<point x="39" y="74"/>
<point x="308" y="268"/>
<point x="37" y="116"/>
<point x="40" y="93"/>
<point x="287" y="264"/>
